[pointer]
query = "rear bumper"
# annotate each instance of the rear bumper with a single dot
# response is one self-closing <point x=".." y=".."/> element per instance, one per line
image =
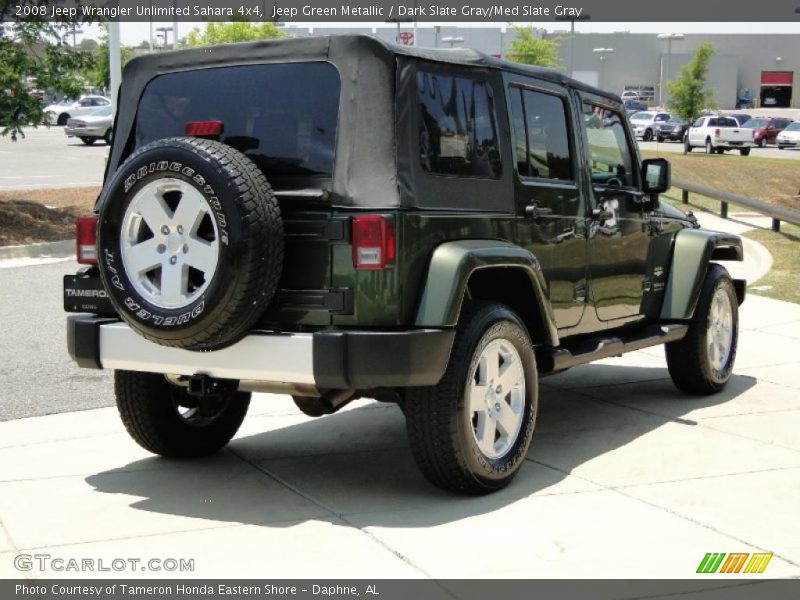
<point x="325" y="359"/>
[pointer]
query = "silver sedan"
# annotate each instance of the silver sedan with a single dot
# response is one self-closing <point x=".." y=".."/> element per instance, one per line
<point x="92" y="127"/>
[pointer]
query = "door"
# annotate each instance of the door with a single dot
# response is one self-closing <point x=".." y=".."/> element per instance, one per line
<point x="547" y="192"/>
<point x="618" y="238"/>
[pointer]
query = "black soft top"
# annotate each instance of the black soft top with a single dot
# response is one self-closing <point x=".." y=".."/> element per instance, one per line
<point x="368" y="166"/>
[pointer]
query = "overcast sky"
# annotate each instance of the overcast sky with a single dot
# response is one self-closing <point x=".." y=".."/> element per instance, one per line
<point x="134" y="33"/>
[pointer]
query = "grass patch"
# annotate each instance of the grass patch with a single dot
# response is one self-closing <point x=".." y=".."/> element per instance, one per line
<point x="32" y="216"/>
<point x="772" y="180"/>
<point x="784" y="277"/>
<point x="783" y="280"/>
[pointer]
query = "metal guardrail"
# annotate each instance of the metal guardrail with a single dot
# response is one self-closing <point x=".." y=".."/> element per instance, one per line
<point x="777" y="213"/>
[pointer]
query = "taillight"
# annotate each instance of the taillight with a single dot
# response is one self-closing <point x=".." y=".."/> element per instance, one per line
<point x="716" y="133"/>
<point x="373" y="242"/>
<point x="203" y="129"/>
<point x="86" y="240"/>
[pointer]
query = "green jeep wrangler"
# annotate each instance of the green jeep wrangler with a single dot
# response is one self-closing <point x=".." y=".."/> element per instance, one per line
<point x="335" y="218"/>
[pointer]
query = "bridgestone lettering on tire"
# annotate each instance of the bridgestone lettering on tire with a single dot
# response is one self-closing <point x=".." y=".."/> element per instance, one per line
<point x="190" y="243"/>
<point x="471" y="432"/>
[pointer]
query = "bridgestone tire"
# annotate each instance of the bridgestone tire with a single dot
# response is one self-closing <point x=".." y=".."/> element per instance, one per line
<point x="438" y="418"/>
<point x="689" y="364"/>
<point x="247" y="240"/>
<point x="148" y="405"/>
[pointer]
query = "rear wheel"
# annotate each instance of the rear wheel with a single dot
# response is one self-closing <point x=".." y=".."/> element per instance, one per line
<point x="164" y="419"/>
<point x="471" y="432"/>
<point x="648" y="135"/>
<point x="702" y="362"/>
<point x="108" y="137"/>
<point x="660" y="139"/>
<point x="762" y="143"/>
<point x="88" y="140"/>
<point x="709" y="147"/>
<point x="687" y="147"/>
<point x="62" y="119"/>
<point x="745" y="151"/>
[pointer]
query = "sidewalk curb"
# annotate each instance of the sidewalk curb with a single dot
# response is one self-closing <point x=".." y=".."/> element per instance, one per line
<point x="60" y="249"/>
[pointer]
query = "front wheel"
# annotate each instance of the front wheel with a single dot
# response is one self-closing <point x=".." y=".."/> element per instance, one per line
<point x="702" y="362"/>
<point x="762" y="143"/>
<point x="471" y="432"/>
<point x="165" y="419"/>
<point x="648" y="135"/>
<point x="660" y="139"/>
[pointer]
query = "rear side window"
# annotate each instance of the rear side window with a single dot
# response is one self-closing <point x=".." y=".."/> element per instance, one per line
<point x="457" y="126"/>
<point x="541" y="136"/>
<point x="283" y="116"/>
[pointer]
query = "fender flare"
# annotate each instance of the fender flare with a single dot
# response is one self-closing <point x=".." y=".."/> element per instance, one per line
<point x="693" y="250"/>
<point x="450" y="268"/>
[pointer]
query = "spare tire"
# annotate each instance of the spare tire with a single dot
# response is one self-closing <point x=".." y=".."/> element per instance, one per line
<point x="190" y="243"/>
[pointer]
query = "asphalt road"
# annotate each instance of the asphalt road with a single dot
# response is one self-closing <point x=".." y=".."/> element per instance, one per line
<point x="37" y="376"/>
<point x="46" y="158"/>
<point x="768" y="152"/>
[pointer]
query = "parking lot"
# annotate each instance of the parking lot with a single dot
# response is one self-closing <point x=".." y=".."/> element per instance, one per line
<point x="47" y="158"/>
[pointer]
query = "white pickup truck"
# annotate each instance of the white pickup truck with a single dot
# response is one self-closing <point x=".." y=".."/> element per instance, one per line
<point x="717" y="134"/>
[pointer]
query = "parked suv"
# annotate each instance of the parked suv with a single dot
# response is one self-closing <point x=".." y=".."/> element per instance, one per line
<point x="646" y="122"/>
<point x="766" y="129"/>
<point x="432" y="228"/>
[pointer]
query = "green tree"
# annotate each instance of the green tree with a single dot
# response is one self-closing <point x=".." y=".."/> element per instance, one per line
<point x="33" y="56"/>
<point x="99" y="73"/>
<point x="531" y="50"/>
<point x="688" y="94"/>
<point x="236" y="31"/>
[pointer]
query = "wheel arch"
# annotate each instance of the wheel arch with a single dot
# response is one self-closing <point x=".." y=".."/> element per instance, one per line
<point x="488" y="270"/>
<point x="694" y="250"/>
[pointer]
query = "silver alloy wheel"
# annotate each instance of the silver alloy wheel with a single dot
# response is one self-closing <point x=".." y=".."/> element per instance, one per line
<point x="170" y="243"/>
<point x="720" y="330"/>
<point x="496" y="396"/>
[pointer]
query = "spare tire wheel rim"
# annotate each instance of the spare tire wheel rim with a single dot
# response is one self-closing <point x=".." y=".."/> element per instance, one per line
<point x="169" y="243"/>
<point x="496" y="397"/>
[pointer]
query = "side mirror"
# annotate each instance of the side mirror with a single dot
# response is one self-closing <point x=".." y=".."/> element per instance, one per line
<point x="656" y="179"/>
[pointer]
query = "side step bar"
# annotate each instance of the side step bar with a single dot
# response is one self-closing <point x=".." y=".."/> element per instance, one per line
<point x="552" y="360"/>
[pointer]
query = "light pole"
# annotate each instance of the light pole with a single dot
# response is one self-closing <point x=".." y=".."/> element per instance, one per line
<point x="669" y="37"/>
<point x="164" y="31"/>
<point x="399" y="20"/>
<point x="572" y="38"/>
<point x="602" y="52"/>
<point x="114" y="61"/>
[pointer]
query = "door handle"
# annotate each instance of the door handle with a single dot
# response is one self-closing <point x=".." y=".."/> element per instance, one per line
<point x="537" y="212"/>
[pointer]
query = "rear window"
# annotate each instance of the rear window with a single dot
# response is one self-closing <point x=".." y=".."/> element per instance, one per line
<point x="282" y="116"/>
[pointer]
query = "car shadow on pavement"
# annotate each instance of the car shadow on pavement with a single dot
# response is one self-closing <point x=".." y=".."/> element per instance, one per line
<point x="357" y="462"/>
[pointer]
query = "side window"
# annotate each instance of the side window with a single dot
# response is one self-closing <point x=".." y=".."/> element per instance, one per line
<point x="457" y="126"/>
<point x="610" y="157"/>
<point x="86" y="102"/>
<point x="698" y="123"/>
<point x="541" y="136"/>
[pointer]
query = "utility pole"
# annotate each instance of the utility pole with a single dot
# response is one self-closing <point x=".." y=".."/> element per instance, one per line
<point x="572" y="38"/>
<point x="669" y="37"/>
<point x="114" y="61"/>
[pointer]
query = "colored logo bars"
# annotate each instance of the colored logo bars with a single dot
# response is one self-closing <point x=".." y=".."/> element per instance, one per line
<point x="716" y="562"/>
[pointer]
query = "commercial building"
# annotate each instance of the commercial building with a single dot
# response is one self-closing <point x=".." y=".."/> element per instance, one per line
<point x="768" y="65"/>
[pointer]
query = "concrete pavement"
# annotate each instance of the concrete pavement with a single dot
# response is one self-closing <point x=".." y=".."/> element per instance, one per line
<point x="626" y="478"/>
